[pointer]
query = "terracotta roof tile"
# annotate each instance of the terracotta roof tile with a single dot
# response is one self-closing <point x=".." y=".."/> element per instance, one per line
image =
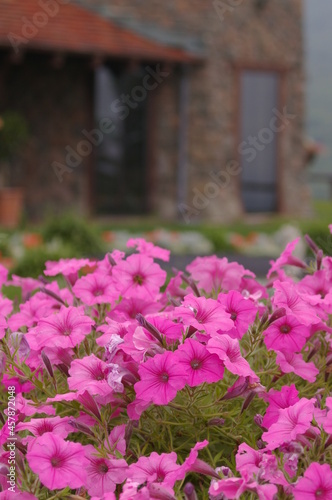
<point x="78" y="30"/>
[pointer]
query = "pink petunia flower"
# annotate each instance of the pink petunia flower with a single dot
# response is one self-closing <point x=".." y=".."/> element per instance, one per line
<point x="167" y="327"/>
<point x="315" y="484"/>
<point x="287" y="259"/>
<point x="16" y="495"/>
<point x="66" y="329"/>
<point x="57" y="462"/>
<point x="3" y="275"/>
<point x="94" y="289"/>
<point x="294" y="363"/>
<point x="248" y="460"/>
<point x="204" y="314"/>
<point x="161" y="379"/>
<point x="128" y="309"/>
<point x="327" y="419"/>
<point x="117" y="440"/>
<point x="242" y="312"/>
<point x="155" y="468"/>
<point x="148" y="249"/>
<point x="138" y="276"/>
<point x="214" y="274"/>
<point x="292" y="421"/>
<point x="106" y="265"/>
<point x="28" y="285"/>
<point x="286" y="334"/>
<point x="199" y="364"/>
<point x="67" y="267"/>
<point x="89" y="373"/>
<point x="39" y="426"/>
<point x="286" y="397"/>
<point x="232" y="487"/>
<point x="228" y="350"/>
<point x="133" y="490"/>
<point x="3" y="326"/>
<point x="103" y="474"/>
<point x="287" y="296"/>
<point x="6" y="306"/>
<point x="30" y="313"/>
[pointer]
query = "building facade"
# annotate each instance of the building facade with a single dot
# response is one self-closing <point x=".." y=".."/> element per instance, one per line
<point x="194" y="111"/>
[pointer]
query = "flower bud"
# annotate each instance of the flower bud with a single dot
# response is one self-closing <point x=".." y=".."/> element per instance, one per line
<point x="149" y="327"/>
<point x="258" y="419"/>
<point x="319" y="259"/>
<point x="89" y="403"/>
<point x="201" y="467"/>
<point x="47" y="364"/>
<point x="216" y="422"/>
<point x="159" y="492"/>
<point x="81" y="427"/>
<point x="278" y="313"/>
<point x="189" y="492"/>
<point x="312" y="245"/>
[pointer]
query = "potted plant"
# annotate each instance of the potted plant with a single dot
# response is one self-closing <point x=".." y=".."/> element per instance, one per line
<point x="13" y="134"/>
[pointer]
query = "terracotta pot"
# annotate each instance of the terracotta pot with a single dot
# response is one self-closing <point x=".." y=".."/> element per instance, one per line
<point x="11" y="206"/>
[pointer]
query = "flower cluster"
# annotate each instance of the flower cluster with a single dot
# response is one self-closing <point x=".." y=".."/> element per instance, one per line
<point x="131" y="384"/>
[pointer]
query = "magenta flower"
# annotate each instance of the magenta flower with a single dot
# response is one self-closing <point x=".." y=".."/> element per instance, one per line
<point x="204" y="314"/>
<point x="67" y="267"/>
<point x="103" y="474"/>
<point x="89" y="373"/>
<point x="106" y="265"/>
<point x="214" y="274"/>
<point x="138" y="276"/>
<point x="30" y="313"/>
<point x="148" y="249"/>
<point x="66" y="329"/>
<point x="6" y="306"/>
<point x="3" y="275"/>
<point x="94" y="289"/>
<point x="57" y="462"/>
<point x="172" y="331"/>
<point x="199" y="364"/>
<point x="287" y="259"/>
<point x="242" y="312"/>
<point x="248" y="460"/>
<point x="161" y="379"/>
<point x="39" y="426"/>
<point x="28" y="285"/>
<point x="287" y="296"/>
<point x="232" y="487"/>
<point x="292" y="421"/>
<point x="286" y="334"/>
<point x="315" y="484"/>
<point x="117" y="439"/>
<point x="277" y="400"/>
<point x="17" y="495"/>
<point x="155" y="469"/>
<point x="3" y="326"/>
<point x="228" y="350"/>
<point x="128" y="309"/>
<point x="293" y="363"/>
<point x="327" y="420"/>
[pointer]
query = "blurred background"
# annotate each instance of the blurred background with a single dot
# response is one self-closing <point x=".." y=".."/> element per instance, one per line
<point x="203" y="126"/>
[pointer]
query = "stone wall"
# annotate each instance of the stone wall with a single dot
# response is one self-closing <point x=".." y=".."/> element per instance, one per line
<point x="271" y="36"/>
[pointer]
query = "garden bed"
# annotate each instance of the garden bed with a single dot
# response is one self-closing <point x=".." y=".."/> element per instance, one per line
<point x="118" y="384"/>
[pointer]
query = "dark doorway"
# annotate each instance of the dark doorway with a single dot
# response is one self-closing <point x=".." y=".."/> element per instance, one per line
<point x="259" y="142"/>
<point x="120" y="173"/>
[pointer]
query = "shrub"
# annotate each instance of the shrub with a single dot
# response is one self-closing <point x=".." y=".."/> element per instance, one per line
<point x="75" y="233"/>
